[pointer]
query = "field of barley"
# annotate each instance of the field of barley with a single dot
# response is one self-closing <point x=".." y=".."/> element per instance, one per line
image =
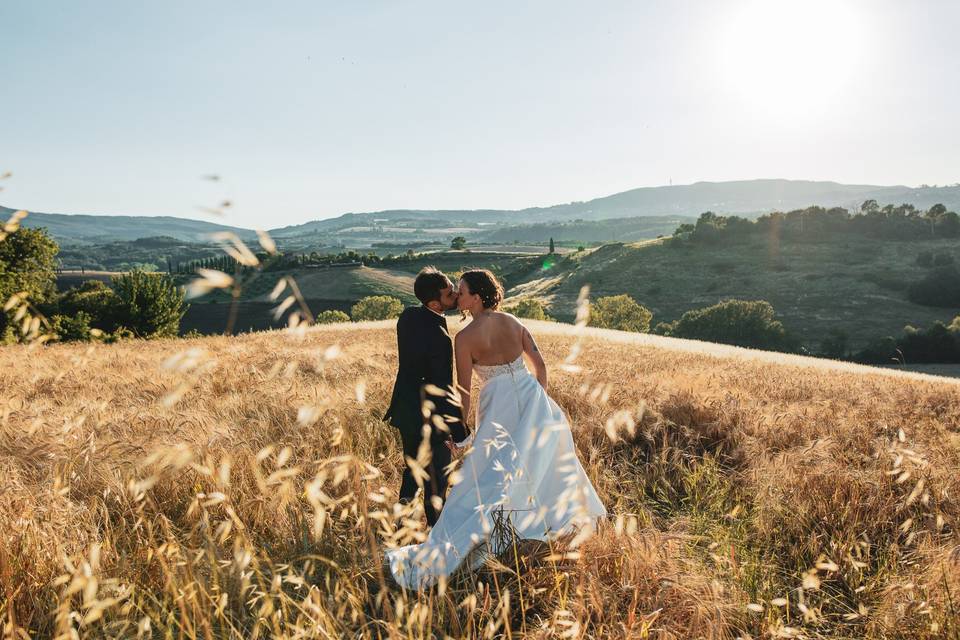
<point x="244" y="487"/>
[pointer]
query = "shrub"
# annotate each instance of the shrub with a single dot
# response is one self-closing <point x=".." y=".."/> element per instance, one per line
<point x="72" y="328"/>
<point x="620" y="312"/>
<point x="925" y="259"/>
<point x="745" y="323"/>
<point x="939" y="288"/>
<point x="331" y="315"/>
<point x="376" y="308"/>
<point x="96" y="299"/>
<point x="149" y="305"/>
<point x="530" y="309"/>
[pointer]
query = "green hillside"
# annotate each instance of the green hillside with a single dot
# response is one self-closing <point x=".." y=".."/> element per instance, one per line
<point x="850" y="283"/>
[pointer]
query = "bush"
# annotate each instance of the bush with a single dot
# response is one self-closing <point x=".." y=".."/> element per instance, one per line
<point x="376" y="308"/>
<point x="744" y="323"/>
<point x="937" y="344"/>
<point x="72" y="328"/>
<point x="96" y="299"/>
<point x="925" y="259"/>
<point x="530" y="309"/>
<point x="331" y="316"/>
<point x="620" y="312"/>
<point x="939" y="288"/>
<point x="149" y="305"/>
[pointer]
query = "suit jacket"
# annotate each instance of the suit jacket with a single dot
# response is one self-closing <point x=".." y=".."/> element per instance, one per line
<point x="426" y="357"/>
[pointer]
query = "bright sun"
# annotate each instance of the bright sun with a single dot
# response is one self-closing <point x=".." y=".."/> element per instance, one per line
<point x="789" y="58"/>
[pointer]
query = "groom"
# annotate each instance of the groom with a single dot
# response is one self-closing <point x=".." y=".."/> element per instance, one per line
<point x="426" y="358"/>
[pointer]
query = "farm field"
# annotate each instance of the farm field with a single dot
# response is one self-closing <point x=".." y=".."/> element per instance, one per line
<point x="244" y="487"/>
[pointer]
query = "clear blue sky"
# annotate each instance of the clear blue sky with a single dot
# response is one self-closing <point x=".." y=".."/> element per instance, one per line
<point x="310" y="109"/>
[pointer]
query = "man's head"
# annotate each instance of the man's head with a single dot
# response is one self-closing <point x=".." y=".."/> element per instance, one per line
<point x="435" y="290"/>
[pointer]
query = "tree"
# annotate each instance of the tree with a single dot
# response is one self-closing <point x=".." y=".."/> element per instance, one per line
<point x="620" y="312"/>
<point x="27" y="264"/>
<point x="552" y="247"/>
<point x="745" y="323"/>
<point x="376" y="308"/>
<point x="458" y="243"/>
<point x="530" y="309"/>
<point x="331" y="316"/>
<point x="149" y="305"/>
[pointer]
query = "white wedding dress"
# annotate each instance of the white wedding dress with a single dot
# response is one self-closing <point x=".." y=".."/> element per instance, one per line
<point x="522" y="467"/>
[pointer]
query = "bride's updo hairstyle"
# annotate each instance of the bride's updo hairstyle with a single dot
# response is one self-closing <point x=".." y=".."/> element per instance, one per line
<point x="483" y="283"/>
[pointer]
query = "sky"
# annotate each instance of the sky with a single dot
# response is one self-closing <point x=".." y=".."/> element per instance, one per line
<point x="309" y="109"/>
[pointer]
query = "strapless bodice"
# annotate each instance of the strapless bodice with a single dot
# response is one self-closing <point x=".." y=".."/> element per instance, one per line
<point x="489" y="371"/>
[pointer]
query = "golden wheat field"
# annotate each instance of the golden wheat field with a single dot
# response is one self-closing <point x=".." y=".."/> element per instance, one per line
<point x="241" y="487"/>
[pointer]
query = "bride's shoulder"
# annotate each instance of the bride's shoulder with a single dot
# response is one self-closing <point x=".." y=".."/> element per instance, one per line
<point x="509" y="318"/>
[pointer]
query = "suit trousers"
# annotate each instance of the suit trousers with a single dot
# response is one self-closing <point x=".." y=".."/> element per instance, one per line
<point x="436" y="485"/>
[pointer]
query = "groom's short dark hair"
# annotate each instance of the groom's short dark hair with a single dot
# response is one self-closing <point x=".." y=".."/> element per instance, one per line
<point x="429" y="283"/>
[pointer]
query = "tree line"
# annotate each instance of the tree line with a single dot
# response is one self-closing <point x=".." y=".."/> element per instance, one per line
<point x="891" y="222"/>
<point x="135" y="304"/>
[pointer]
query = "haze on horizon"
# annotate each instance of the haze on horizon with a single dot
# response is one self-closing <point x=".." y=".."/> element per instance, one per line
<point x="320" y="109"/>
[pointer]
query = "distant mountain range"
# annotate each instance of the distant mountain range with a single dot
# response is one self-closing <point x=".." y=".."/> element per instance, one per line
<point x="745" y="197"/>
<point x="80" y="228"/>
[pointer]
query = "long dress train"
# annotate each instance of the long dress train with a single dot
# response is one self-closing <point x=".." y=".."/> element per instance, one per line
<point x="523" y="465"/>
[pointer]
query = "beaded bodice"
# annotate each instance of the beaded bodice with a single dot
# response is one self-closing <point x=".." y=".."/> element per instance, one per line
<point x="489" y="371"/>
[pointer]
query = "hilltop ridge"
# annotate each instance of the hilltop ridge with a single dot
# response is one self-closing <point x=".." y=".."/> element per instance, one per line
<point x="743" y="197"/>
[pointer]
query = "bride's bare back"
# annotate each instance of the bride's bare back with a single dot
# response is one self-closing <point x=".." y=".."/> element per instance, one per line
<point x="493" y="338"/>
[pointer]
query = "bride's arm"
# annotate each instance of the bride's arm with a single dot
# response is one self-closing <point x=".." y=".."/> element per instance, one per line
<point x="464" y="376"/>
<point x="530" y="348"/>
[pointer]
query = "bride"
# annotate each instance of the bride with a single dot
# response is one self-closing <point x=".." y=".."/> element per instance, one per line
<point x="520" y="463"/>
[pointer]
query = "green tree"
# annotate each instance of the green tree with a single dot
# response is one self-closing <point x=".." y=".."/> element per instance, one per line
<point x="27" y="264"/>
<point x="530" y="309"/>
<point x="376" y="308"/>
<point x="458" y="243"/>
<point x="149" y="305"/>
<point x="332" y="315"/>
<point x="552" y="247"/>
<point x="745" y="323"/>
<point x="620" y="312"/>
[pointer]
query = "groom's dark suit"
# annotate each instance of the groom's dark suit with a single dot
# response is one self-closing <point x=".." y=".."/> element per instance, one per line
<point x="426" y="357"/>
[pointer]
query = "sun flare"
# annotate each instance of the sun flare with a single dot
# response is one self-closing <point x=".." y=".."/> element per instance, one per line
<point x="787" y="58"/>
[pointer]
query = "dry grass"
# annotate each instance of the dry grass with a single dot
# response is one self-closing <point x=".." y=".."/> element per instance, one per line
<point x="246" y="489"/>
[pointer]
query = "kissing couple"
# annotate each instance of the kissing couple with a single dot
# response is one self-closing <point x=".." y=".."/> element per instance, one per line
<point x="519" y="458"/>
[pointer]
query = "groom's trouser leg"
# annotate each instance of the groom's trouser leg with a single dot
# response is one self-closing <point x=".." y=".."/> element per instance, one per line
<point x="436" y="484"/>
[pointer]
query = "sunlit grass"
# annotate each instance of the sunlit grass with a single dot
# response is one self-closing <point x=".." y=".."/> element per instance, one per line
<point x="245" y="487"/>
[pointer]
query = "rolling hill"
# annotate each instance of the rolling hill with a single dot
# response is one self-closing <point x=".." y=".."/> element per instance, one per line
<point x="178" y="486"/>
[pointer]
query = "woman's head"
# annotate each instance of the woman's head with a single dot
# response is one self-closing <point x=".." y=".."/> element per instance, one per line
<point x="479" y="289"/>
